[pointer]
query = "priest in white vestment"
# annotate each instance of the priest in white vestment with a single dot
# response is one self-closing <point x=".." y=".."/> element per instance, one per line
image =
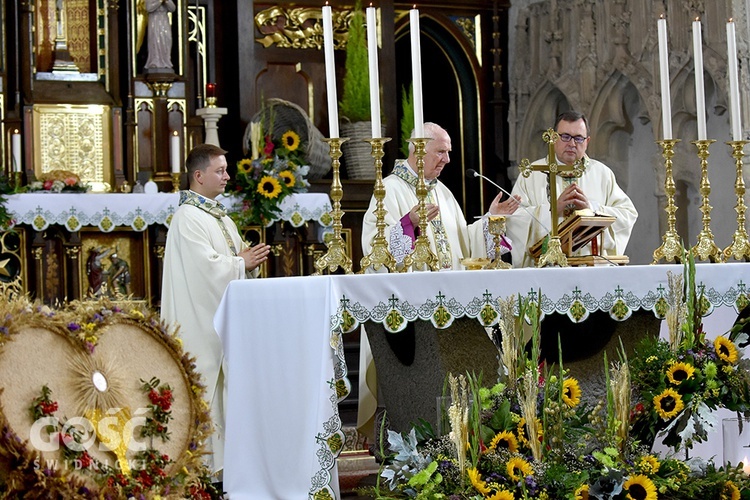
<point x="596" y="190"/>
<point x="451" y="239"/>
<point x="204" y="252"/>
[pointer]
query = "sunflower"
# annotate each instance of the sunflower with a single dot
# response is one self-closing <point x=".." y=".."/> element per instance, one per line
<point x="505" y="440"/>
<point x="730" y="492"/>
<point x="668" y="404"/>
<point x="516" y="465"/>
<point x="269" y="187"/>
<point x="501" y="495"/>
<point x="725" y="349"/>
<point x="288" y="178"/>
<point x="649" y="464"/>
<point x="582" y="493"/>
<point x="476" y="481"/>
<point x="245" y="165"/>
<point x="571" y="394"/>
<point x="679" y="371"/>
<point x="290" y="140"/>
<point x="640" y="487"/>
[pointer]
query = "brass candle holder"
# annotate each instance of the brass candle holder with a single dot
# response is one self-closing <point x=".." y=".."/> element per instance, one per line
<point x="740" y="247"/>
<point x="671" y="248"/>
<point x="422" y="257"/>
<point x="705" y="248"/>
<point x="175" y="182"/>
<point x="379" y="255"/>
<point x="336" y="255"/>
<point x="496" y="227"/>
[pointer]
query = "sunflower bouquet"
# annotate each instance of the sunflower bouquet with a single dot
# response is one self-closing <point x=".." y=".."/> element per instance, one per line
<point x="275" y="170"/>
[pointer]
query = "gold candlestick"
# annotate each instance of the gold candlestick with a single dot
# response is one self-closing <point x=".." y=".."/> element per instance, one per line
<point x="705" y="248"/>
<point x="175" y="182"/>
<point x="336" y="255"/>
<point x="740" y="247"/>
<point x="379" y="255"/>
<point x="422" y="256"/>
<point x="496" y="227"/>
<point x="671" y="248"/>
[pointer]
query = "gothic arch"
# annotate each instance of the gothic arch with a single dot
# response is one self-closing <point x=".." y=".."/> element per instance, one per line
<point x="544" y="106"/>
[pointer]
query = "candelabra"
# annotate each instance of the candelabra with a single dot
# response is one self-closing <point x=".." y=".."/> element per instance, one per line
<point x="705" y="248"/>
<point x="336" y="255"/>
<point x="175" y="182"/>
<point x="379" y="255"/>
<point x="740" y="247"/>
<point x="422" y="257"/>
<point x="670" y="249"/>
<point x="496" y="227"/>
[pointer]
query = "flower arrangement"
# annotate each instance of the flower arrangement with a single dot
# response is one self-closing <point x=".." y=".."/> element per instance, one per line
<point x="532" y="436"/>
<point x="58" y="181"/>
<point x="275" y="170"/>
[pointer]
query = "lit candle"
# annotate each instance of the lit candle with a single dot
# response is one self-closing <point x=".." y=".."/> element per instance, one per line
<point x="210" y="90"/>
<point x="372" y="55"/>
<point x="174" y="149"/>
<point x="333" y="114"/>
<point x="700" y="94"/>
<point x="416" y="72"/>
<point x="15" y="149"/>
<point x="734" y="85"/>
<point x="666" y="103"/>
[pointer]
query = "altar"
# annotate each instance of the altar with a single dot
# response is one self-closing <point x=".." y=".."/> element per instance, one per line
<point x="57" y="238"/>
<point x="284" y="348"/>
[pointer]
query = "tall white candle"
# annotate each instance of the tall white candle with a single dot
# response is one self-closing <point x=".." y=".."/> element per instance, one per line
<point x="416" y="72"/>
<point x="666" y="102"/>
<point x="372" y="55"/>
<point x="734" y="83"/>
<point x="15" y="150"/>
<point x="333" y="113"/>
<point x="700" y="93"/>
<point x="174" y="152"/>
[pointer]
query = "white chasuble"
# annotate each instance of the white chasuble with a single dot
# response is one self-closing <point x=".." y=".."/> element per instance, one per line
<point x="599" y="185"/>
<point x="199" y="263"/>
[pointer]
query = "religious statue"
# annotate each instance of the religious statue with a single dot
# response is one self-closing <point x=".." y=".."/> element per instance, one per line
<point x="159" y="34"/>
<point x="95" y="270"/>
<point x="119" y="276"/>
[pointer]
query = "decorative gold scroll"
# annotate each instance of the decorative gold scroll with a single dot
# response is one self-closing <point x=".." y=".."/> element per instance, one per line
<point x="300" y="28"/>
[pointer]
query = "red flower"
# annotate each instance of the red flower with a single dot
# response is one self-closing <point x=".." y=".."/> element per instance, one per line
<point x="145" y="479"/>
<point x="153" y="396"/>
<point x="85" y="460"/>
<point x="65" y="439"/>
<point x="48" y="408"/>
<point x="47" y="185"/>
<point x="70" y="181"/>
<point x="268" y="150"/>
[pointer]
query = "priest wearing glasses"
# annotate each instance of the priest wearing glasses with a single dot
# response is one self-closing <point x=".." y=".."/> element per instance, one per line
<point x="596" y="190"/>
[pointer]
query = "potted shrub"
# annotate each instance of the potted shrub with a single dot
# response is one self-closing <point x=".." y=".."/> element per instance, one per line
<point x="354" y="106"/>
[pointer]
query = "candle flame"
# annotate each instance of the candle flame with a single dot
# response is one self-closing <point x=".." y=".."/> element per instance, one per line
<point x="661" y="16"/>
<point x="697" y="19"/>
<point x="731" y="20"/>
<point x="175" y="133"/>
<point x="15" y="131"/>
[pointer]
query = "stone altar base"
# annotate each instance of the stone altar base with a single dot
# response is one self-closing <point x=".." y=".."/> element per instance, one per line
<point x="412" y="365"/>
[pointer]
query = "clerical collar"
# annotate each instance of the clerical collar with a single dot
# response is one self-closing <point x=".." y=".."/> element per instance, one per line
<point x="403" y="170"/>
<point x="208" y="205"/>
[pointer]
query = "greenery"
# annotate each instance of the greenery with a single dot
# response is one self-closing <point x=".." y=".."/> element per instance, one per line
<point x="6" y="187"/>
<point x="355" y="101"/>
<point x="407" y="118"/>
<point x="275" y="170"/>
<point x="532" y="436"/>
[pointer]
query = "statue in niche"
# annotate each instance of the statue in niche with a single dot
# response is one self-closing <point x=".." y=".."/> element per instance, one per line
<point x="159" y="34"/>
<point x="95" y="270"/>
<point x="119" y="276"/>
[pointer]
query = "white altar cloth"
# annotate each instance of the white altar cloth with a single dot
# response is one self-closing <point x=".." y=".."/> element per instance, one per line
<point x="282" y="337"/>
<point x="108" y="211"/>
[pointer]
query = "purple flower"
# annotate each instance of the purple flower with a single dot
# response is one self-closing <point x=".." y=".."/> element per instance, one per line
<point x="89" y="347"/>
<point x="4" y="330"/>
<point x="98" y="317"/>
<point x="74" y="327"/>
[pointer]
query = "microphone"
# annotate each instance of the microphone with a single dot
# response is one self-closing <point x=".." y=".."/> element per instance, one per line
<point x="473" y="173"/>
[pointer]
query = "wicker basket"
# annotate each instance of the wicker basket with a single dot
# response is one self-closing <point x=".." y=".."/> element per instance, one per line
<point x="285" y="116"/>
<point x="357" y="152"/>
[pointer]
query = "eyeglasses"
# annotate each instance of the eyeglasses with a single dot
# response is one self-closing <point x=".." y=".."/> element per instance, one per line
<point x="577" y="138"/>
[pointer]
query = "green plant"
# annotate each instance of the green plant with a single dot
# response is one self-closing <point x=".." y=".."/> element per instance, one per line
<point x="407" y="118"/>
<point x="355" y="101"/>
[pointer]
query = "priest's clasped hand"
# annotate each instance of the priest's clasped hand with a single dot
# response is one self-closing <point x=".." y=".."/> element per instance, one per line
<point x="573" y="198"/>
<point x="432" y="212"/>
<point x="255" y="255"/>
